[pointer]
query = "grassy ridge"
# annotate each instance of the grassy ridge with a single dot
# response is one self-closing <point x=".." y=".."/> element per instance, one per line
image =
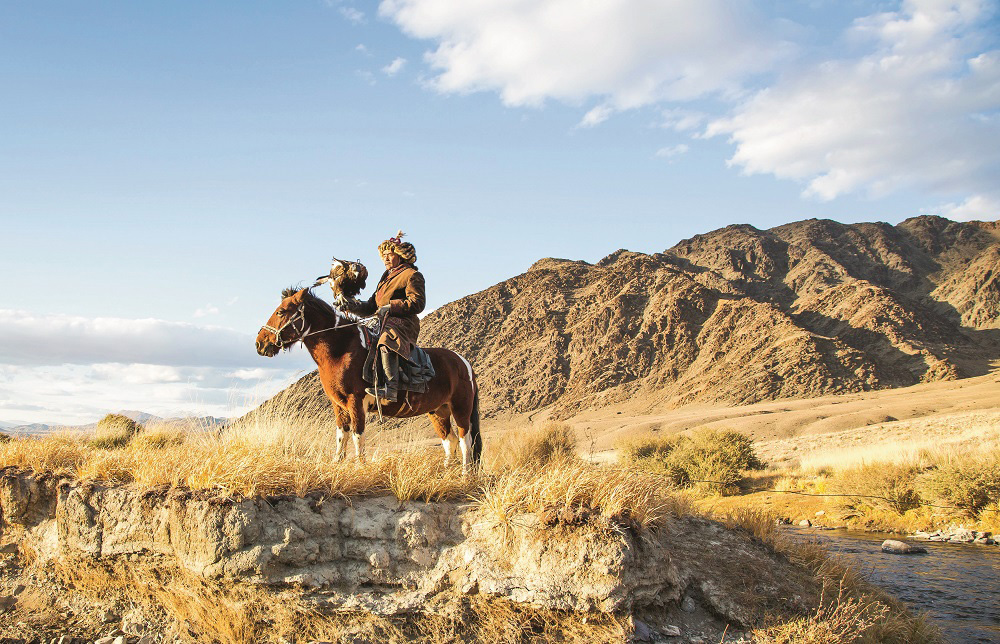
<point x="534" y="471"/>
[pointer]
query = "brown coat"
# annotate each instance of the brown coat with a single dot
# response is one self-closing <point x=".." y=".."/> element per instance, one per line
<point x="403" y="290"/>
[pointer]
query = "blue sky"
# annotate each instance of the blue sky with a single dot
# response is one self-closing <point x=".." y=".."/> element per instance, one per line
<point x="166" y="168"/>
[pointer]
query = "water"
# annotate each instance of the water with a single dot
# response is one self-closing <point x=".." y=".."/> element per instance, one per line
<point x="958" y="585"/>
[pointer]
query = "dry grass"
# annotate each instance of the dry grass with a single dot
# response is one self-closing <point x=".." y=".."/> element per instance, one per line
<point x="532" y="446"/>
<point x="190" y="608"/>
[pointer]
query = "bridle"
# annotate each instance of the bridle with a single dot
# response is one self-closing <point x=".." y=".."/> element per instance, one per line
<point x="303" y="329"/>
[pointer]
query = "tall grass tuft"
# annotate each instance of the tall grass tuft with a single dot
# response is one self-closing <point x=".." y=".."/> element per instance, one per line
<point x="114" y="431"/>
<point x="533" y="446"/>
<point x="968" y="480"/>
<point x="879" y="486"/>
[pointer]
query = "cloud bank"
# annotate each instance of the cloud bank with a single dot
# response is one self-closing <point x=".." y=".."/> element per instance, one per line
<point x="73" y="370"/>
<point x="914" y="104"/>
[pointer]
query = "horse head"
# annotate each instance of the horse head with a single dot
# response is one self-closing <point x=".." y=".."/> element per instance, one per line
<point x="346" y="279"/>
<point x="287" y="324"/>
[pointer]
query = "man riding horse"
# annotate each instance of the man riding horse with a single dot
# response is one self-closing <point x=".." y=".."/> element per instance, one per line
<point x="397" y="300"/>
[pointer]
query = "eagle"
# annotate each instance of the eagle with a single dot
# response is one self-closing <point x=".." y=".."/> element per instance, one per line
<point x="346" y="279"/>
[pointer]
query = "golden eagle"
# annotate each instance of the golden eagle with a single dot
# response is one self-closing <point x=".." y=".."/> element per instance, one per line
<point x="346" y="279"/>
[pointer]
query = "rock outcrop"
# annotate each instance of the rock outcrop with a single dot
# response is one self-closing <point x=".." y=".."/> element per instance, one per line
<point x="389" y="557"/>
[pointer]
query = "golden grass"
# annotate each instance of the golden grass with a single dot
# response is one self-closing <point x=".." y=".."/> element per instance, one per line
<point x="190" y="608"/>
<point x="532" y="446"/>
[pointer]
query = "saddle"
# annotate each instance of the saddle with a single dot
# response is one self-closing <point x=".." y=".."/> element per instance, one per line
<point x="414" y="373"/>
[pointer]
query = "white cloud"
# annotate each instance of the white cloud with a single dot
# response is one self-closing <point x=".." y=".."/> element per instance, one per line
<point x="922" y="110"/>
<point x="251" y="374"/>
<point x="672" y="151"/>
<point x="597" y="116"/>
<point x="631" y="52"/>
<point x="138" y="374"/>
<point x="912" y="100"/>
<point x="683" y="120"/>
<point x="979" y="207"/>
<point x="205" y="311"/>
<point x="394" y="67"/>
<point x="73" y="370"/>
<point x="353" y="15"/>
<point x="63" y="339"/>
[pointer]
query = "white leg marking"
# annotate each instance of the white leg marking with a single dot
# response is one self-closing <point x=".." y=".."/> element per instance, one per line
<point x="446" y="444"/>
<point x="359" y="446"/>
<point x="340" y="443"/>
<point x="463" y="442"/>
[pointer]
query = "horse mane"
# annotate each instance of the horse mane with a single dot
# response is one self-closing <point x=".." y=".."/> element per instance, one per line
<point x="316" y="304"/>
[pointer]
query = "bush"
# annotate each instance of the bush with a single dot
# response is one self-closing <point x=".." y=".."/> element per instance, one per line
<point x="114" y="431"/>
<point x="711" y="460"/>
<point x="971" y="483"/>
<point x="881" y="486"/>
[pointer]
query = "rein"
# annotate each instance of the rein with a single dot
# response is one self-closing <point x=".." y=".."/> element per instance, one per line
<point x="304" y="329"/>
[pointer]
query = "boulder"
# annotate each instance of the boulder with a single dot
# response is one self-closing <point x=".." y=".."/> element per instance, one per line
<point x="901" y="547"/>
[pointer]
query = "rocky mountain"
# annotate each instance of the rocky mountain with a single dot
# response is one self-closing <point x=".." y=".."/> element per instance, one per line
<point x="737" y="315"/>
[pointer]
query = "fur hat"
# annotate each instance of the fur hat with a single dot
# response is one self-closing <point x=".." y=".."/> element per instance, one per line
<point x="405" y="250"/>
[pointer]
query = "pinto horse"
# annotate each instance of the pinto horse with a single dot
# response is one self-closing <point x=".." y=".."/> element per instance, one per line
<point x="338" y="342"/>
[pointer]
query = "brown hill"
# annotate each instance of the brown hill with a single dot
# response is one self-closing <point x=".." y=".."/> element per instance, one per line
<point x="735" y="316"/>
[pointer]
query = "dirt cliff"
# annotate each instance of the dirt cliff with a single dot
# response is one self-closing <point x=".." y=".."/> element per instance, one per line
<point x="738" y="315"/>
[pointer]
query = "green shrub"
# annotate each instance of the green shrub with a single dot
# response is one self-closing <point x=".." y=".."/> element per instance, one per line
<point x="971" y="483"/>
<point x="881" y="486"/>
<point x="114" y="431"/>
<point x="710" y="460"/>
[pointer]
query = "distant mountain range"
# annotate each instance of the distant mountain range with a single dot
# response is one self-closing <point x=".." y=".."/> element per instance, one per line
<point x="734" y="316"/>
<point x="138" y="416"/>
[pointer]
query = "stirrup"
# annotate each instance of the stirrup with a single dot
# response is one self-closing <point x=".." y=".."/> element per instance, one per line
<point x="382" y="393"/>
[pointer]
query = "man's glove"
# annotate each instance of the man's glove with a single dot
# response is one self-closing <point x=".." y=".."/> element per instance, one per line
<point x="382" y="310"/>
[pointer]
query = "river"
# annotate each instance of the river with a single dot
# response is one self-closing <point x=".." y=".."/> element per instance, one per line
<point x="957" y="585"/>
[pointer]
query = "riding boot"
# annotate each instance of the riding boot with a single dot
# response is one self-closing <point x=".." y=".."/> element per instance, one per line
<point x="388" y="381"/>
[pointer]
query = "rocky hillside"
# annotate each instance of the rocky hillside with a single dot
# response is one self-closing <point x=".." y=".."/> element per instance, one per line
<point x="738" y="315"/>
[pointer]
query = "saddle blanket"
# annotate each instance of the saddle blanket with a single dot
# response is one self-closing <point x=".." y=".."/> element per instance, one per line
<point x="414" y="374"/>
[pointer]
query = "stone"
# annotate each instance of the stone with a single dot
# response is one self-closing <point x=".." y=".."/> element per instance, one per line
<point x="146" y="639"/>
<point x="688" y="605"/>
<point x="671" y="631"/>
<point x="105" y="640"/>
<point x="9" y="548"/>
<point x="962" y="535"/>
<point x="641" y="631"/>
<point x="821" y="513"/>
<point x="805" y="523"/>
<point x="108" y="616"/>
<point x="895" y="547"/>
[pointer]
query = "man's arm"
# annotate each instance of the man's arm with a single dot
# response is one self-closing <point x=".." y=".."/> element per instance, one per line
<point x="415" y="297"/>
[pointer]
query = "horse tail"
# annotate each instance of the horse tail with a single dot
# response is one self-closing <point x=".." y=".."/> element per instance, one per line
<point x="477" y="437"/>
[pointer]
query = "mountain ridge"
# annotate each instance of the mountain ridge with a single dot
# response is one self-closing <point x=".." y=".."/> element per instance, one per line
<point x="737" y="315"/>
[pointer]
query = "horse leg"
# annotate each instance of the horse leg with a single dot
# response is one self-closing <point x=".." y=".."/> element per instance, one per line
<point x="466" y="412"/>
<point x="357" y="411"/>
<point x="441" y="421"/>
<point x="343" y="422"/>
